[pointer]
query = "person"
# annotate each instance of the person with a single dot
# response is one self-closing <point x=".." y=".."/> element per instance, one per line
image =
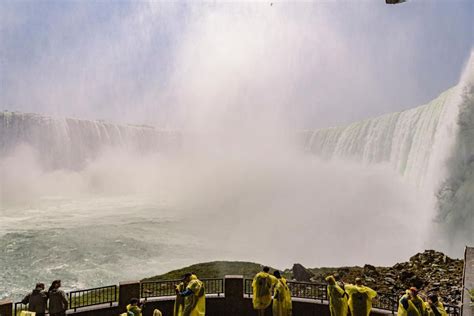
<point x="262" y="285"/>
<point x="411" y="304"/>
<point x="337" y="298"/>
<point x="157" y="312"/>
<point x="179" y="301"/>
<point x="282" y="305"/>
<point x="58" y="302"/>
<point x="194" y="296"/>
<point x="360" y="298"/>
<point x="37" y="300"/>
<point x="134" y="308"/>
<point x="434" y="307"/>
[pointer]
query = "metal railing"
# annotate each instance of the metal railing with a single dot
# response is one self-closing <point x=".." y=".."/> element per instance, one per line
<point x="452" y="310"/>
<point x="19" y="307"/>
<point x="317" y="291"/>
<point x="248" y="287"/>
<point x="165" y="288"/>
<point x="82" y="298"/>
<point x="91" y="297"/>
<point x="386" y="301"/>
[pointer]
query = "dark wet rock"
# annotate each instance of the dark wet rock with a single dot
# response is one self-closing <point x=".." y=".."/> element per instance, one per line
<point x="406" y="275"/>
<point x="430" y="271"/>
<point x="300" y="273"/>
<point x="389" y="280"/>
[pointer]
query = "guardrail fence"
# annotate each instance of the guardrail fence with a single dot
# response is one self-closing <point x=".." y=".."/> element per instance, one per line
<point x="91" y="297"/>
<point x="318" y="291"/>
<point x="164" y="288"/>
<point x="152" y="289"/>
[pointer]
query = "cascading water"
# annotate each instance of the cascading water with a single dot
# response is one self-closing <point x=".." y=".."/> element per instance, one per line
<point x="70" y="143"/>
<point x="431" y="146"/>
<point x="405" y="139"/>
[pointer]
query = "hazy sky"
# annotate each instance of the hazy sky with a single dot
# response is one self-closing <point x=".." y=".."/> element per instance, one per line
<point x="318" y="64"/>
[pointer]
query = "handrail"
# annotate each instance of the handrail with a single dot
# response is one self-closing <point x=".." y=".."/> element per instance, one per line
<point x="165" y="288"/>
<point x="318" y="291"/>
<point x="148" y="289"/>
<point x="93" y="296"/>
<point x="82" y="298"/>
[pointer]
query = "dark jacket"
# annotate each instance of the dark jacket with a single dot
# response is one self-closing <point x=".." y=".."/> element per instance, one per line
<point x="57" y="301"/>
<point x="36" y="301"/>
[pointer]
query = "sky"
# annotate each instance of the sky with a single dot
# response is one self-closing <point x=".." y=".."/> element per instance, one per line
<point x="314" y="64"/>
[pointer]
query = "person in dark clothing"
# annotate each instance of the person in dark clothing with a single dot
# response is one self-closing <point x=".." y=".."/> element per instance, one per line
<point x="58" y="302"/>
<point x="37" y="300"/>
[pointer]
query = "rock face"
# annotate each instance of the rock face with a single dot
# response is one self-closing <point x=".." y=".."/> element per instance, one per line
<point x="430" y="271"/>
<point x="300" y="273"/>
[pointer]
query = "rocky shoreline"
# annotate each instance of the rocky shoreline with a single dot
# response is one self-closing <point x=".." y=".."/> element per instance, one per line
<point x="430" y="271"/>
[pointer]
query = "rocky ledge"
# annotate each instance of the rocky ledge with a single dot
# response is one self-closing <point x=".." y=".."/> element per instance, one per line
<point x="430" y="271"/>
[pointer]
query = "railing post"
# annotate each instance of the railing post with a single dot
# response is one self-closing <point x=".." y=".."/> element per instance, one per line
<point x="234" y="294"/>
<point x="127" y="291"/>
<point x="6" y="308"/>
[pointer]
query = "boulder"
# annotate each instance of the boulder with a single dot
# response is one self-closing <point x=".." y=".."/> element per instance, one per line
<point x="300" y="273"/>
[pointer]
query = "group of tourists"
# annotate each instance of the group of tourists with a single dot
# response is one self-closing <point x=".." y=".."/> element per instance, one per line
<point x="268" y="289"/>
<point x="358" y="298"/>
<point x="412" y="304"/>
<point x="271" y="289"/>
<point x="190" y="299"/>
<point x="135" y="309"/>
<point x="54" y="300"/>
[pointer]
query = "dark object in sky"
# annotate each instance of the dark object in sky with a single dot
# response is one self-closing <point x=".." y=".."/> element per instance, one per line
<point x="394" y="1"/>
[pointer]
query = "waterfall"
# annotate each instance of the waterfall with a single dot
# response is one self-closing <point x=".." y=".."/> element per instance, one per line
<point x="67" y="143"/>
<point x="405" y="139"/>
<point x="431" y="146"/>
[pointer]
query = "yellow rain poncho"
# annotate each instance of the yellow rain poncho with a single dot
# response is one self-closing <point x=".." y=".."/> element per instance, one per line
<point x="281" y="299"/>
<point x="416" y="306"/>
<point x="337" y="298"/>
<point x="195" y="304"/>
<point x="360" y="299"/>
<point x="179" y="302"/>
<point x="262" y="290"/>
<point x="439" y="306"/>
<point x="134" y="309"/>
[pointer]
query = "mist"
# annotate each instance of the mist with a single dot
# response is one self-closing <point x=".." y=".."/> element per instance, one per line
<point x="237" y="81"/>
<point x="313" y="64"/>
<point x="270" y="203"/>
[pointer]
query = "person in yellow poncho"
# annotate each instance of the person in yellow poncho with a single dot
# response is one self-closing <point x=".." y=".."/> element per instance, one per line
<point x="194" y="296"/>
<point x="262" y="286"/>
<point x="281" y="297"/>
<point x="179" y="302"/>
<point x="134" y="308"/>
<point x="360" y="298"/>
<point x="337" y="298"/>
<point x="434" y="307"/>
<point x="411" y="304"/>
